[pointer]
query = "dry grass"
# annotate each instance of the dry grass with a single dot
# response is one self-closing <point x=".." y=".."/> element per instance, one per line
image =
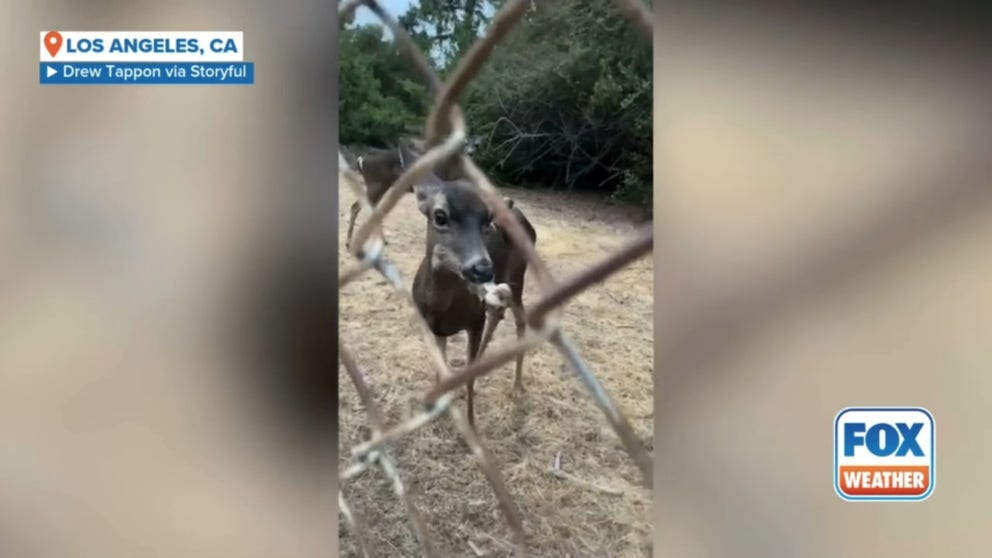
<point x="611" y="323"/>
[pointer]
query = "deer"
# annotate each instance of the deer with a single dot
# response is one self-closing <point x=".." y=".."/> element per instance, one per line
<point x="465" y="250"/>
<point x="380" y="168"/>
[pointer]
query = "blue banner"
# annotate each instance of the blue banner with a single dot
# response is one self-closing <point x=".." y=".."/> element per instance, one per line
<point x="147" y="73"/>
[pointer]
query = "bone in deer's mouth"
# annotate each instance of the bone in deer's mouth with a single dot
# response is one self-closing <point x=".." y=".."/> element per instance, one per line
<point x="494" y="295"/>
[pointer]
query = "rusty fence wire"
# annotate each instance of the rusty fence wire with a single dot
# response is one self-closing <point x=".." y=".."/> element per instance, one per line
<point x="445" y="137"/>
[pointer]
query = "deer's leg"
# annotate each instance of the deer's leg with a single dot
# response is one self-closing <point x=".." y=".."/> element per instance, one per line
<point x="442" y="345"/>
<point x="355" y="209"/>
<point x="492" y="320"/>
<point x="474" y="344"/>
<point x="519" y="319"/>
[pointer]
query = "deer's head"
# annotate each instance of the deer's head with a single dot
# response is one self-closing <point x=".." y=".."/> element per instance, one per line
<point x="458" y="223"/>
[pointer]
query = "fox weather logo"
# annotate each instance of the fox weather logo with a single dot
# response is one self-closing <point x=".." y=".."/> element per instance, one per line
<point x="884" y="454"/>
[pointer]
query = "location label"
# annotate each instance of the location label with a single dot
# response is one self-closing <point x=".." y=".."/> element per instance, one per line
<point x="53" y="42"/>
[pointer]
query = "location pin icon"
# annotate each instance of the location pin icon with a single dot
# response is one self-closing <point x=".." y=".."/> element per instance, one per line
<point x="53" y="42"/>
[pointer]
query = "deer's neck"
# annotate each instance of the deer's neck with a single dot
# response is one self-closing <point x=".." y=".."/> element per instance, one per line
<point x="439" y="289"/>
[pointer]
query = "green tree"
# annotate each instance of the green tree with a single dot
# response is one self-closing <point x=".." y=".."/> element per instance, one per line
<point x="380" y="95"/>
<point x="448" y="27"/>
<point x="566" y="102"/>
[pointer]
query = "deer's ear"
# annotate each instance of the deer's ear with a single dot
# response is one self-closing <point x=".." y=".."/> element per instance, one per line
<point x="407" y="156"/>
<point x="509" y="202"/>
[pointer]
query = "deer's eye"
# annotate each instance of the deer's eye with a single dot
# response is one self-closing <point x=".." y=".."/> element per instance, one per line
<point x="440" y="218"/>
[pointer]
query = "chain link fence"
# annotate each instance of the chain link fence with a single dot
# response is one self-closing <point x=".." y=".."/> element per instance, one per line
<point x="446" y="135"/>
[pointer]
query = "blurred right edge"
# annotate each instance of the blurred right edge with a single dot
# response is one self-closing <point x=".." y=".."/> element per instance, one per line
<point x="823" y="210"/>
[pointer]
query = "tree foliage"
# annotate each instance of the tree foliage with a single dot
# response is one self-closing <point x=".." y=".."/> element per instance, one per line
<point x="448" y="27"/>
<point x="564" y="102"/>
<point x="380" y="95"/>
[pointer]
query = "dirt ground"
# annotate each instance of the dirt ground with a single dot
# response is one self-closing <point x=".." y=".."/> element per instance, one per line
<point x="611" y="323"/>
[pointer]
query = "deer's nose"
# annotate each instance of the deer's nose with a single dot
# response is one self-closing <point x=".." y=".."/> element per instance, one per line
<point x="481" y="271"/>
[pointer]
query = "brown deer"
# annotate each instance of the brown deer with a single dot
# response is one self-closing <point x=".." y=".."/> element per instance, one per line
<point x="379" y="169"/>
<point x="465" y="249"/>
